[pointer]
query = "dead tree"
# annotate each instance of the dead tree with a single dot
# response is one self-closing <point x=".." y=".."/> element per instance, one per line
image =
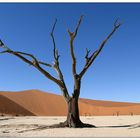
<point x="73" y="119"/>
<point x="118" y="113"/>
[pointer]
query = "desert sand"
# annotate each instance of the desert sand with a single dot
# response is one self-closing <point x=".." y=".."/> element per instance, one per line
<point x="38" y="103"/>
<point x="29" y="113"/>
<point x="35" y="126"/>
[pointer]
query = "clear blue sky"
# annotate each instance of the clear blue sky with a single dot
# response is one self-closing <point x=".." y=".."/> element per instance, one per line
<point x="115" y="74"/>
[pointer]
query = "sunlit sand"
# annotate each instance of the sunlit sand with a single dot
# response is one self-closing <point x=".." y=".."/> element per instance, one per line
<point x="106" y="126"/>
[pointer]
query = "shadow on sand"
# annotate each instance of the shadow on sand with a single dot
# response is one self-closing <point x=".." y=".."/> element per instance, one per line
<point x="130" y="126"/>
<point x="43" y="127"/>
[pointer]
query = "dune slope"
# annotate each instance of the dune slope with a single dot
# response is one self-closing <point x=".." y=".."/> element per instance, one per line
<point x="35" y="102"/>
<point x="8" y="106"/>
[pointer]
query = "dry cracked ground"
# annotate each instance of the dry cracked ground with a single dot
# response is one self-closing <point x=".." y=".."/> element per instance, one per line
<point x="34" y="126"/>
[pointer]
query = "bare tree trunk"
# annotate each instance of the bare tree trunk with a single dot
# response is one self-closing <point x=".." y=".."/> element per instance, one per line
<point x="73" y="119"/>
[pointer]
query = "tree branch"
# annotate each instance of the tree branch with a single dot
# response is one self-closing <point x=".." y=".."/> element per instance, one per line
<point x="72" y="37"/>
<point x="90" y="60"/>
<point x="27" y="54"/>
<point x="16" y="54"/>
<point x="45" y="64"/>
<point x="75" y="75"/>
<point x="34" y="63"/>
<point x="87" y="55"/>
<point x="56" y="64"/>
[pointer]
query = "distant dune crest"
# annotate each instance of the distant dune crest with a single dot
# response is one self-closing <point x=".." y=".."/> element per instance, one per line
<point x="38" y="103"/>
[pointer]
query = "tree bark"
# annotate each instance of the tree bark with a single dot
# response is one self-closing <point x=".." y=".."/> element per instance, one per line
<point x="73" y="119"/>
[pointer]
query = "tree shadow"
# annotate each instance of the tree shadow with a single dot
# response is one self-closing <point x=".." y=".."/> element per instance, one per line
<point x="34" y="129"/>
<point x="130" y="126"/>
<point x="3" y="119"/>
<point x="60" y="125"/>
<point x="43" y="127"/>
<point x="135" y="126"/>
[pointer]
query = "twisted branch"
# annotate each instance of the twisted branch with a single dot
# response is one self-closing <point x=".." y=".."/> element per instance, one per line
<point x="72" y="37"/>
<point x="77" y="82"/>
<point x="34" y="62"/>
<point x="56" y="65"/>
<point x="90" y="60"/>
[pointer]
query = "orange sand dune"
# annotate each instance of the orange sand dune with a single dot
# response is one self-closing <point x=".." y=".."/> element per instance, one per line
<point x="35" y="102"/>
<point x="8" y="106"/>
